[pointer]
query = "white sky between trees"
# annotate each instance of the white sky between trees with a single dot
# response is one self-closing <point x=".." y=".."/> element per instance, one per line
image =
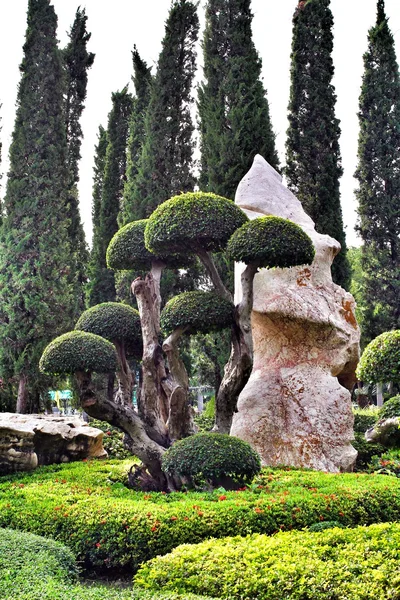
<point x="119" y="24"/>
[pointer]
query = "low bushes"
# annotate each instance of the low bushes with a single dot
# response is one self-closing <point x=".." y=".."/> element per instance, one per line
<point x="336" y="564"/>
<point x="86" y="506"/>
<point x="36" y="568"/>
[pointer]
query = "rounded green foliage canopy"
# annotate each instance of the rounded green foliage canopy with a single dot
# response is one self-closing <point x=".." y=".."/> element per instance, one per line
<point x="198" y="311"/>
<point x="118" y="323"/>
<point x="380" y="361"/>
<point x="78" y="351"/>
<point x="271" y="242"/>
<point x="127" y="251"/>
<point x="211" y="457"/>
<point x="191" y="221"/>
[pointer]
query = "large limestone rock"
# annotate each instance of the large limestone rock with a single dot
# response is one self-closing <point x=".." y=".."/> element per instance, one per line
<point x="29" y="440"/>
<point x="295" y="409"/>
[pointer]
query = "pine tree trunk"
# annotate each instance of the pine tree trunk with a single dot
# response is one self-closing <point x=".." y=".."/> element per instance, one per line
<point x="240" y="364"/>
<point x="124" y="417"/>
<point x="154" y="401"/>
<point x="22" y="398"/>
<point x="180" y="421"/>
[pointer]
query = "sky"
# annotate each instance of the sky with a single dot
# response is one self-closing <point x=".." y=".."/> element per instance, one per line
<point x="119" y="24"/>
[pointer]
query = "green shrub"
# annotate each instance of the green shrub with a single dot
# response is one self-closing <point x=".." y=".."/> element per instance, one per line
<point x="191" y="221"/>
<point x="116" y="322"/>
<point x="380" y="361"/>
<point x="113" y="442"/>
<point x="366" y="452"/>
<point x="78" y="351"/>
<point x="126" y="250"/>
<point x="200" y="312"/>
<point x="322" y="525"/>
<point x="86" y="506"/>
<point x="212" y="458"/>
<point x="36" y="568"/>
<point x="391" y="408"/>
<point x="388" y="463"/>
<point x="342" y="564"/>
<point x="365" y="418"/>
<point x="271" y="242"/>
<point x="204" y="424"/>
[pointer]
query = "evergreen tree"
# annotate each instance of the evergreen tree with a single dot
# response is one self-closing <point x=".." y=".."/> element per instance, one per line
<point x="165" y="166"/>
<point x="234" y="112"/>
<point x="378" y="174"/>
<point x="105" y="213"/>
<point x="142" y="80"/>
<point x="36" y="299"/>
<point x="77" y="61"/>
<point x="313" y="165"/>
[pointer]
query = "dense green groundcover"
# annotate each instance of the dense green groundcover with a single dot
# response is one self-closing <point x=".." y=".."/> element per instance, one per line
<point x="335" y="564"/>
<point x="36" y="568"/>
<point x="86" y="506"/>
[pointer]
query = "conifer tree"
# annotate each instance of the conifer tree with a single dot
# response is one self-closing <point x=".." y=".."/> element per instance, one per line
<point x="234" y="112"/>
<point x="77" y="62"/>
<point x="105" y="214"/>
<point x="36" y="300"/>
<point x="165" y="166"/>
<point x="378" y="174"/>
<point x="142" y="80"/>
<point x="313" y="166"/>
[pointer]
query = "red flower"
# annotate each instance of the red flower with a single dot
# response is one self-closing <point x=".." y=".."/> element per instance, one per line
<point x="174" y="518"/>
<point x="222" y="497"/>
<point x="98" y="545"/>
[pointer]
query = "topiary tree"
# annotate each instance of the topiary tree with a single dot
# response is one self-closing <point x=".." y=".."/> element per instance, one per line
<point x="380" y="362"/>
<point x="212" y="459"/>
<point x="120" y="324"/>
<point x="186" y="226"/>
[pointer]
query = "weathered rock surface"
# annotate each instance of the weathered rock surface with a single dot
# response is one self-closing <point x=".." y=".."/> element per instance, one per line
<point x="385" y="432"/>
<point x="294" y="409"/>
<point x="29" y="440"/>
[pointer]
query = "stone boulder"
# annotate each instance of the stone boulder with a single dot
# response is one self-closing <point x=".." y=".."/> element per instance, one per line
<point x="295" y="409"/>
<point x="30" y="440"/>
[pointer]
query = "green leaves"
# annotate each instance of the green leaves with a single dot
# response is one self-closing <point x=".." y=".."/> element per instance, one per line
<point x="380" y="362"/>
<point x="271" y="242"/>
<point x="78" y="351"/>
<point x="198" y="312"/>
<point x="193" y="221"/>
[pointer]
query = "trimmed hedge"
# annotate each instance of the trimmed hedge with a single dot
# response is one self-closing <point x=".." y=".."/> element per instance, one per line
<point x="335" y="564"/>
<point x="271" y="242"/>
<point x="380" y="361"/>
<point x="36" y="568"/>
<point x="193" y="220"/>
<point x="201" y="312"/>
<point x="212" y="458"/>
<point x="85" y="506"/>
<point x="126" y="251"/>
<point x="391" y="408"/>
<point x="116" y="322"/>
<point x="78" y="351"/>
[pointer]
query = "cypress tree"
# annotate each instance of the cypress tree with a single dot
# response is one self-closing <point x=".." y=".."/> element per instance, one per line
<point x="77" y="62"/>
<point x="165" y="166"/>
<point x="36" y="300"/>
<point x="142" y="80"/>
<point x="234" y="114"/>
<point x="102" y="283"/>
<point x="313" y="166"/>
<point x="378" y="174"/>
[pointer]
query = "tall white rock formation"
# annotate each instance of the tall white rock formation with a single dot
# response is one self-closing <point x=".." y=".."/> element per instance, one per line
<point x="295" y="409"/>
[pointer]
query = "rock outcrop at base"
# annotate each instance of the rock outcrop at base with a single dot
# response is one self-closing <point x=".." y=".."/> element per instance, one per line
<point x="27" y="441"/>
<point x="295" y="410"/>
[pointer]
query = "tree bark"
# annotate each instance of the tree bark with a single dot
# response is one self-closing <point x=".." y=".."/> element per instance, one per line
<point x="124" y="417"/>
<point x="154" y="402"/>
<point x="240" y="364"/>
<point x="211" y="269"/>
<point x="125" y="377"/>
<point x="180" y="421"/>
<point x="22" y="397"/>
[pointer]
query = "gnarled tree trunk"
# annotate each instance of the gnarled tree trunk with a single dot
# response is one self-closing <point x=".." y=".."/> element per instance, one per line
<point x="22" y="398"/>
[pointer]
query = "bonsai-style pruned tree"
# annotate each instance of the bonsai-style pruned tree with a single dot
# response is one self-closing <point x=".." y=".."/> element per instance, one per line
<point x="120" y="324"/>
<point x="186" y="226"/>
<point x="380" y="362"/>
